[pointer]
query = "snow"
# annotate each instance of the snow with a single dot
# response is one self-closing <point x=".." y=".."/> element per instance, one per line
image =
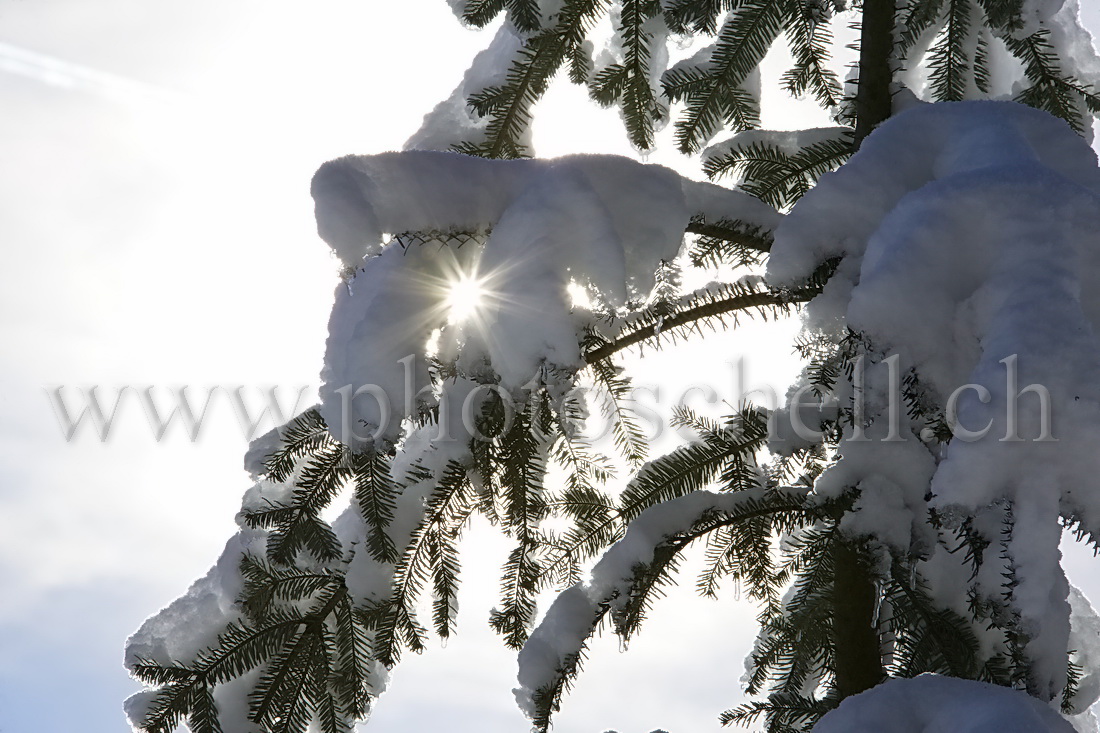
<point x="369" y="580"/>
<point x="358" y="198"/>
<point x="934" y="704"/>
<point x="968" y="237"/>
<point x="788" y="141"/>
<point x="261" y="447"/>
<point x="531" y="232"/>
<point x="192" y="623"/>
<point x="713" y="203"/>
<point x="568" y="622"/>
<point x="381" y="320"/>
<point x="452" y="121"/>
<point x="1084" y="639"/>
<point x="598" y="221"/>
<point x="900" y="157"/>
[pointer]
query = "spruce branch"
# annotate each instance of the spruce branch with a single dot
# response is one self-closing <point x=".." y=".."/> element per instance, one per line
<point x="508" y="106"/>
<point x="694" y="16"/>
<point x="919" y="16"/>
<point x="809" y="36"/>
<point x="523" y="452"/>
<point x="949" y="62"/>
<point x="775" y="176"/>
<point x="714" y="92"/>
<point x="728" y="233"/>
<point x="705" y="306"/>
<point x="628" y="83"/>
<point x="628" y="599"/>
<point x="393" y="619"/>
<point x="627" y="433"/>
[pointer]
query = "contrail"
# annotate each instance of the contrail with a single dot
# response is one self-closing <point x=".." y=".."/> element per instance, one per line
<point x="66" y="75"/>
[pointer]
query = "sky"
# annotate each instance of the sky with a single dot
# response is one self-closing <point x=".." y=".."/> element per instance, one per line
<point x="155" y="161"/>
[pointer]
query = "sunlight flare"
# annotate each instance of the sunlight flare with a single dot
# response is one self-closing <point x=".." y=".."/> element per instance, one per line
<point x="464" y="296"/>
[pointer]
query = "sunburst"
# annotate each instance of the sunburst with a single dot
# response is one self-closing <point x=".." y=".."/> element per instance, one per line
<point x="465" y="296"/>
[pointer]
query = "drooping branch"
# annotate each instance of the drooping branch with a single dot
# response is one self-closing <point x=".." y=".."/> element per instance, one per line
<point x="693" y="315"/>
<point x="759" y="240"/>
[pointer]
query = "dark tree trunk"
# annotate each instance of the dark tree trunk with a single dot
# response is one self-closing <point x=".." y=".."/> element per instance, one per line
<point x="858" y="656"/>
<point x="876" y="42"/>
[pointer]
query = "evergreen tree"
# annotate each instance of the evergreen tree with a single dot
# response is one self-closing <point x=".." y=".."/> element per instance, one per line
<point x="305" y="615"/>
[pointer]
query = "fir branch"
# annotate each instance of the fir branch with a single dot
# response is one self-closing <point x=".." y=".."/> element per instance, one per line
<point x="524" y="14"/>
<point x="927" y="638"/>
<point x="547" y="699"/>
<point x="523" y="457"/>
<point x="684" y="470"/>
<point x="169" y="705"/>
<point x="241" y="648"/>
<point x="1004" y="16"/>
<point x="297" y="526"/>
<point x="707" y="305"/>
<point x="809" y="36"/>
<point x="948" y="60"/>
<point x="585" y="466"/>
<point x="725" y="237"/>
<point x="627" y="433"/>
<point x="751" y="523"/>
<point x="376" y="496"/>
<point x="352" y="673"/>
<point x="442" y="556"/>
<point x="480" y="13"/>
<point x="269" y="588"/>
<point x="794" y="639"/>
<point x="785" y="711"/>
<point x="203" y="717"/>
<point x="982" y="78"/>
<point x="920" y="16"/>
<point x="713" y="93"/>
<point x="776" y="177"/>
<point x="276" y="700"/>
<point x="1051" y="90"/>
<point x="646" y="585"/>
<point x="394" y="619"/>
<point x="694" y="16"/>
<point x="508" y="106"/>
<point x="580" y="63"/>
<point x="304" y="436"/>
<point x="629" y="598"/>
<point x="629" y="82"/>
<point x="322" y="477"/>
<point x="591" y="513"/>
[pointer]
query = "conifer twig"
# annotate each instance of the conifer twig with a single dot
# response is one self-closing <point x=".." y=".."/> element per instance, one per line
<point x="698" y="313"/>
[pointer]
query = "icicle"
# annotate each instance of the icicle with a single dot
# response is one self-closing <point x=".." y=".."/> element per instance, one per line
<point x="878" y="603"/>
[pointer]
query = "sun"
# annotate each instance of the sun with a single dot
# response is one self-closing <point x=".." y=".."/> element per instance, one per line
<point x="464" y="296"/>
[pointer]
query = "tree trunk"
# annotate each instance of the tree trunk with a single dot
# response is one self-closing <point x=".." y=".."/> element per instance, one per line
<point x="858" y="656"/>
<point x="876" y="43"/>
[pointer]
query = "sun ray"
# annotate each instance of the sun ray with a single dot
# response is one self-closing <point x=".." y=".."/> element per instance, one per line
<point x="465" y="296"/>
